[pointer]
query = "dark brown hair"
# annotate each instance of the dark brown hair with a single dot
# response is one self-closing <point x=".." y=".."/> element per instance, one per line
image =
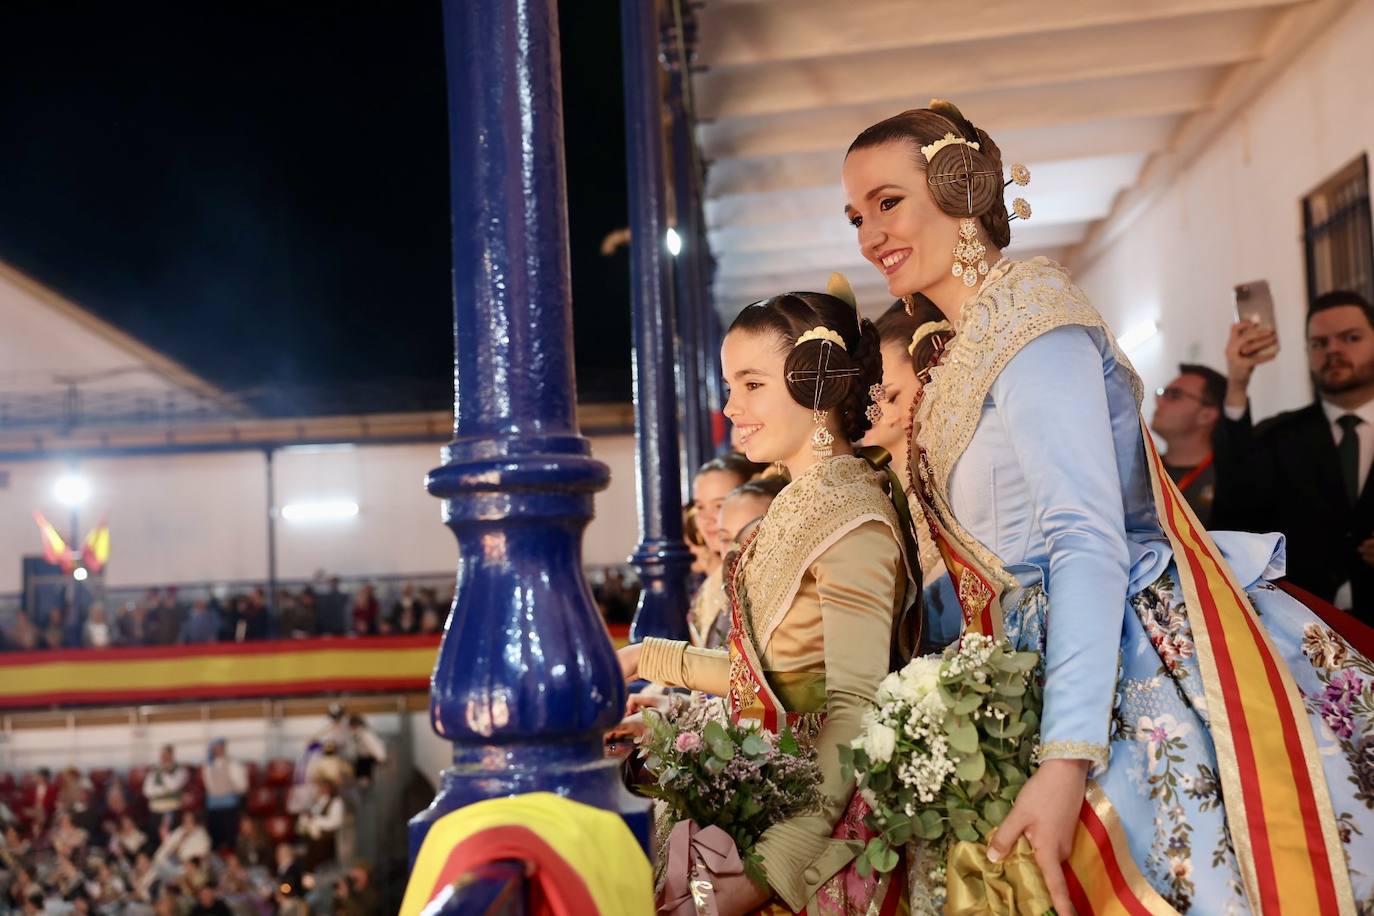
<point x="790" y="316"/>
<point x="964" y="181"/>
<point x="932" y="345"/>
<point x="730" y="463"/>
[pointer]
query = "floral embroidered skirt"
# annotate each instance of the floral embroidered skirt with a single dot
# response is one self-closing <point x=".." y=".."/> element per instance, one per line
<point x="1162" y="775"/>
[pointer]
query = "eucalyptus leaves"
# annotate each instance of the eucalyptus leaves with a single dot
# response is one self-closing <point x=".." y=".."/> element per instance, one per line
<point x="947" y="747"/>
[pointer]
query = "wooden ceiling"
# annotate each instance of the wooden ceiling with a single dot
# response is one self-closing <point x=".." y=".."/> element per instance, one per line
<point x="1101" y="98"/>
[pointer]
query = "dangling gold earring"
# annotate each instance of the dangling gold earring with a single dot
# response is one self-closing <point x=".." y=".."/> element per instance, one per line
<point x="970" y="254"/>
<point x="822" y="440"/>
<point x="910" y="302"/>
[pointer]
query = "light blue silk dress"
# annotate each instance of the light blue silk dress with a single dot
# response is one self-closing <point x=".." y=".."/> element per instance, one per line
<point x="1054" y="482"/>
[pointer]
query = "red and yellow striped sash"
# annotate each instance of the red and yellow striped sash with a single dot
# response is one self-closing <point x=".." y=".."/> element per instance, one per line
<point x="1277" y="804"/>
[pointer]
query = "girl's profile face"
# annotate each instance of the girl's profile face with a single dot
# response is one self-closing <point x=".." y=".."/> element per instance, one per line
<point x="772" y="426"/>
<point x="708" y="492"/>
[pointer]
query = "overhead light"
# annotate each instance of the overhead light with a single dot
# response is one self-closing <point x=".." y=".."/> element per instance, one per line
<point x="325" y="510"/>
<point x="674" y="241"/>
<point x="80" y="574"/>
<point x="1137" y="336"/>
<point x="72" y="490"/>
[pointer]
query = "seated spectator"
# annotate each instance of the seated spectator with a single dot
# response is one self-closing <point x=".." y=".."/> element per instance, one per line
<point x="203" y="625"/>
<point x="333" y="610"/>
<point x="142" y="877"/>
<point x="365" y="611"/>
<point x="164" y="621"/>
<point x="252" y="847"/>
<point x="55" y="631"/>
<point x="116" y="808"/>
<point x="14" y="849"/>
<point x="43" y="800"/>
<point x="289" y="876"/>
<point x="23" y="635"/>
<point x="209" y="903"/>
<point x="128" y="841"/>
<point x="67" y="839"/>
<point x="187" y="842"/>
<point x="249" y="621"/>
<point x="162" y="788"/>
<point x="72" y="786"/>
<point x="320" y="825"/>
<point x="97" y="633"/>
<point x="297" y="617"/>
<point x="105" y="885"/>
<point x="225" y="781"/>
<point x="431" y="623"/>
<point x="129" y="625"/>
<point x="355" y="894"/>
<point x="405" y="614"/>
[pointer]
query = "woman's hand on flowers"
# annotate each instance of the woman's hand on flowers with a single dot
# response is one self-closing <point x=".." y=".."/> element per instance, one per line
<point x="629" y="660"/>
<point x="1046" y="813"/>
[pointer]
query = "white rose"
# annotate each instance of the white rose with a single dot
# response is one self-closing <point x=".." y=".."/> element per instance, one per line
<point x="879" y="743"/>
<point x="922" y="676"/>
<point x="890" y="688"/>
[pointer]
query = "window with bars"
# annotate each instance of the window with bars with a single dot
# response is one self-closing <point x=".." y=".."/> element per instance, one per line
<point x="1337" y="234"/>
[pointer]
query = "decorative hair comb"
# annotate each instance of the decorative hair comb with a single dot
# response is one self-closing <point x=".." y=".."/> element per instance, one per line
<point x="821" y="332"/>
<point x="924" y="331"/>
<point x="931" y="149"/>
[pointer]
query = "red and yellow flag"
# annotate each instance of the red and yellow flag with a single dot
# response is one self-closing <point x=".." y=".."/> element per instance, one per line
<point x="95" y="552"/>
<point x="55" y="550"/>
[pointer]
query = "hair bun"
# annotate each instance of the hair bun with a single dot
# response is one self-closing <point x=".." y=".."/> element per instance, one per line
<point x="964" y="181"/>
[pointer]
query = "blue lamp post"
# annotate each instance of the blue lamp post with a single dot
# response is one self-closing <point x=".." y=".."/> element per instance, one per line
<point x="526" y="680"/>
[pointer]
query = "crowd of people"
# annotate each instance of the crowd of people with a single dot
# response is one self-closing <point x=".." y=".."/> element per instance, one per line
<point x="164" y="618"/>
<point x="220" y="838"/>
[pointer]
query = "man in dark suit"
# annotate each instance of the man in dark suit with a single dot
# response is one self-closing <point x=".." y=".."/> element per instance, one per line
<point x="1306" y="472"/>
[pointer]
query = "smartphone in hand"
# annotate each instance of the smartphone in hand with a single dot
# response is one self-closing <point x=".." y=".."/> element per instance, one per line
<point x="1254" y="303"/>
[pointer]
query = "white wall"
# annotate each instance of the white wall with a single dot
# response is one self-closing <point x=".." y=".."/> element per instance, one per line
<point x="1235" y="215"/>
<point x="202" y="517"/>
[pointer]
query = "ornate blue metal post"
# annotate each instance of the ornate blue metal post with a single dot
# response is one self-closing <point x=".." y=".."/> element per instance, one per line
<point x="526" y="681"/>
<point x="690" y="295"/>
<point x="661" y="559"/>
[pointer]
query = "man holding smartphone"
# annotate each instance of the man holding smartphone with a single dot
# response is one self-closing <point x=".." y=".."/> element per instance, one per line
<point x="1306" y="472"/>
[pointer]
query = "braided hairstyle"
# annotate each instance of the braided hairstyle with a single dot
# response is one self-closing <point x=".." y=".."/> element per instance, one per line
<point x="793" y="314"/>
<point x="964" y="181"/>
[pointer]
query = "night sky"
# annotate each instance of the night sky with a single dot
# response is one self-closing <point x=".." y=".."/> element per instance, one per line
<point x="260" y="190"/>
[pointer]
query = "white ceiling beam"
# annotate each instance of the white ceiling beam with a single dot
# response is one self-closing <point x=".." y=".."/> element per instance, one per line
<point x="1177" y="92"/>
<point x="734" y="34"/>
<point x="1108" y="137"/>
<point x="963" y="68"/>
<point x="1290" y="35"/>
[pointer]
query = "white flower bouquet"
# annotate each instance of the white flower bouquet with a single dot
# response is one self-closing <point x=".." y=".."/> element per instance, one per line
<point x="946" y="749"/>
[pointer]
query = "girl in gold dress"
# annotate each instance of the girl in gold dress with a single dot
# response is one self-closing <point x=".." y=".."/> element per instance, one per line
<point x="815" y="591"/>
